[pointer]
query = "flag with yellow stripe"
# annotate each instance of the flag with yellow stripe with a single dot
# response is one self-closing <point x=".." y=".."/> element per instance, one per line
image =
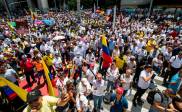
<point x="49" y="84"/>
<point x="19" y="91"/>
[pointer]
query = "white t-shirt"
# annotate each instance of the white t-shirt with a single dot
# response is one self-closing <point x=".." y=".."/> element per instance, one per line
<point x="60" y="83"/>
<point x="78" y="60"/>
<point x="140" y="44"/>
<point x="78" y="50"/>
<point x="167" y="55"/>
<point x="90" y="58"/>
<point x="116" y="53"/>
<point x="82" y="103"/>
<point x="157" y="62"/>
<point x="127" y="80"/>
<point x="82" y="89"/>
<point x="141" y="82"/>
<point x="112" y="74"/>
<point x="99" y="88"/>
<point x="57" y="62"/>
<point x="176" y="62"/>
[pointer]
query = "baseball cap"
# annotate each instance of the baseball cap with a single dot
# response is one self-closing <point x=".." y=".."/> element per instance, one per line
<point x="119" y="90"/>
<point x="33" y="95"/>
<point x="148" y="66"/>
<point x="92" y="65"/>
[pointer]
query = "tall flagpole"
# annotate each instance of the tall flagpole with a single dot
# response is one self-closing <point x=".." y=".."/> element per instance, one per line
<point x="150" y="8"/>
<point x="94" y="8"/>
<point x="55" y="5"/>
<point x="114" y="17"/>
<point x="6" y="7"/>
<point x="78" y="8"/>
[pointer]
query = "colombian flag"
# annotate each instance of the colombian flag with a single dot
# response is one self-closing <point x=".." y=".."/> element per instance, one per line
<point x="105" y="50"/>
<point x="12" y="90"/>
<point x="48" y="78"/>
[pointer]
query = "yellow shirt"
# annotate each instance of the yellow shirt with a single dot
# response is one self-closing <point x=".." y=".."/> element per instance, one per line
<point x="119" y="62"/>
<point x="48" y="103"/>
<point x="150" y="45"/>
<point x="48" y="60"/>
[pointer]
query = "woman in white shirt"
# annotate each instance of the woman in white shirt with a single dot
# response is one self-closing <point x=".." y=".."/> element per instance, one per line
<point x="111" y="76"/>
<point x="157" y="63"/>
<point x="116" y="52"/>
<point x="126" y="80"/>
<point x="131" y="63"/>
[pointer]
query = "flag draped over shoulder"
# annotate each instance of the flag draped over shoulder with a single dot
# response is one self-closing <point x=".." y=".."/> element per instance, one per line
<point x="13" y="88"/>
<point x="48" y="78"/>
<point x="105" y="50"/>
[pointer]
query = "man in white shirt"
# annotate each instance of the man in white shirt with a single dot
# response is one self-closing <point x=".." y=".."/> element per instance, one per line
<point x="91" y="72"/>
<point x="79" y="50"/>
<point x="78" y="61"/>
<point x="90" y="57"/>
<point x="57" y="61"/>
<point x="61" y="82"/>
<point x="98" y="90"/>
<point x="175" y="65"/>
<point x="143" y="83"/>
<point x="84" y="87"/>
<point x="126" y="80"/>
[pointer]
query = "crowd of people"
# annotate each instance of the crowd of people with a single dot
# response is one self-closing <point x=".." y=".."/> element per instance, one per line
<point x="141" y="48"/>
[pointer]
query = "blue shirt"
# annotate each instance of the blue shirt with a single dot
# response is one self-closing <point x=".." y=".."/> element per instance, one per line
<point x="175" y="79"/>
<point x="118" y="105"/>
<point x="111" y="44"/>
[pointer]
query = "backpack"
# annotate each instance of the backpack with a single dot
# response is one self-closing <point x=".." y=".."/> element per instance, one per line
<point x="107" y="97"/>
<point x="150" y="97"/>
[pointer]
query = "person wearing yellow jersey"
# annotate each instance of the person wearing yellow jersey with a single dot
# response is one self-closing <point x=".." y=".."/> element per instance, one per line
<point x="49" y="62"/>
<point x="38" y="103"/>
<point x="151" y="44"/>
<point x="120" y="63"/>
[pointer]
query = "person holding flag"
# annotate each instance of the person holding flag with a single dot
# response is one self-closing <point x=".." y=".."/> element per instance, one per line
<point x="106" y="58"/>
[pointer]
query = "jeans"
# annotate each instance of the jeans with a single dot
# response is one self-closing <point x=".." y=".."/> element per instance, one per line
<point x="97" y="101"/>
<point x="110" y="84"/>
<point x="139" y="94"/>
<point x="29" y="74"/>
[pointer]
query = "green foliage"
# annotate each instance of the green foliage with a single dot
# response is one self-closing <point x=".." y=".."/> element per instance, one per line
<point x="87" y="3"/>
<point x="72" y="4"/>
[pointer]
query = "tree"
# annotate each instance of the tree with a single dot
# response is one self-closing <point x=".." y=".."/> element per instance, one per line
<point x="72" y="4"/>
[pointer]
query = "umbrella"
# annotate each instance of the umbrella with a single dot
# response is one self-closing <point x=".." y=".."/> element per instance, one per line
<point x="48" y="22"/>
<point x="58" y="38"/>
<point x="38" y="22"/>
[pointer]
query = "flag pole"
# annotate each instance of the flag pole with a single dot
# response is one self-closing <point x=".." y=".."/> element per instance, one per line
<point x="114" y="17"/>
